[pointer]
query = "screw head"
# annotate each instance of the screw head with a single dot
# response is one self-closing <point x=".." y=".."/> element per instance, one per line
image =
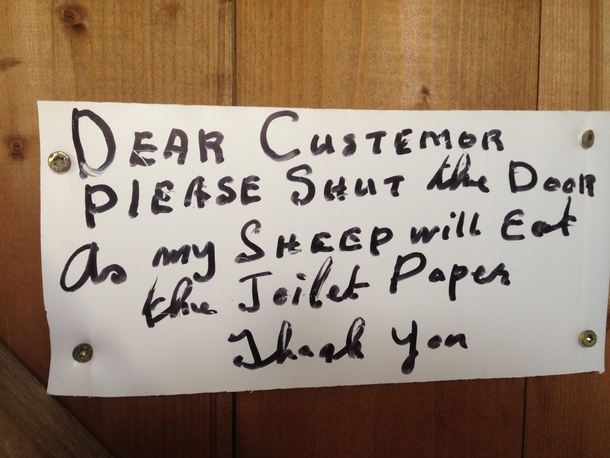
<point x="59" y="162"/>
<point x="588" y="338"/>
<point x="588" y="138"/>
<point x="82" y="353"/>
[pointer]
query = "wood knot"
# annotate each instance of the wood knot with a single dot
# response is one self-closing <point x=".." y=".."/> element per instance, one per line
<point x="422" y="95"/>
<point x="15" y="149"/>
<point x="73" y="17"/>
<point x="8" y="62"/>
<point x="70" y="16"/>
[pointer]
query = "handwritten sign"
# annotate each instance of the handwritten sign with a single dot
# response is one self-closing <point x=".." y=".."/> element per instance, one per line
<point x="203" y="249"/>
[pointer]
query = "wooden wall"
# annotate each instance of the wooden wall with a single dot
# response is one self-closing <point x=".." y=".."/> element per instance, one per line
<point x="374" y="54"/>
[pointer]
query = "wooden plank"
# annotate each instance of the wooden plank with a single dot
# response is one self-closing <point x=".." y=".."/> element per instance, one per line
<point x="136" y="51"/>
<point x="194" y="425"/>
<point x="463" y="418"/>
<point x="33" y="423"/>
<point x="386" y="55"/>
<point x="574" y="68"/>
<point x="570" y="415"/>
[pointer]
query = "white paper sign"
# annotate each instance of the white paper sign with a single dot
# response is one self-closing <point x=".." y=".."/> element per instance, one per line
<point x="203" y="249"/>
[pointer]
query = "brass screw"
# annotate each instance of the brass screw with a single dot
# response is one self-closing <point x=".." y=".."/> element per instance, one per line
<point x="59" y="162"/>
<point x="588" y="338"/>
<point x="588" y="138"/>
<point x="82" y="353"/>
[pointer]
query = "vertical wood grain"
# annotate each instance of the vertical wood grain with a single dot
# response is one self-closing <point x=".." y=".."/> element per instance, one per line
<point x="25" y="64"/>
<point x="441" y="419"/>
<point x="574" y="61"/>
<point x="386" y="55"/>
<point x="568" y="415"/>
<point x="470" y="55"/>
<point x="159" y="51"/>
